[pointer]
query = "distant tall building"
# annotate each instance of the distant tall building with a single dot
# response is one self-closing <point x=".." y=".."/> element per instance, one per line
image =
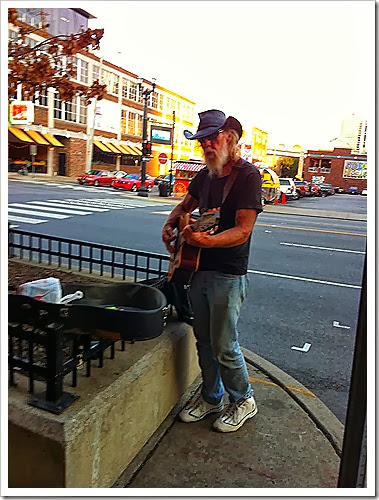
<point x="353" y="134"/>
<point x="62" y="21"/>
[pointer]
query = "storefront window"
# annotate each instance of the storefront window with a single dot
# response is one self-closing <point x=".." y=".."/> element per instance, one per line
<point x="313" y="165"/>
<point x="325" y="166"/>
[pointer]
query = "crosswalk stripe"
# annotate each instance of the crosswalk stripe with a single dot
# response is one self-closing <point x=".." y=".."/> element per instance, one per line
<point x="32" y="212"/>
<point x="59" y="209"/>
<point x="129" y="202"/>
<point x="15" y="218"/>
<point x="69" y="204"/>
<point x="88" y="204"/>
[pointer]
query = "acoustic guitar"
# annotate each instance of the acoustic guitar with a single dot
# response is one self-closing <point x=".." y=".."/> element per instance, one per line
<point x="186" y="258"/>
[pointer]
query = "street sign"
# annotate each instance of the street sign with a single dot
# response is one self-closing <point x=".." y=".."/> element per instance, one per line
<point x="162" y="158"/>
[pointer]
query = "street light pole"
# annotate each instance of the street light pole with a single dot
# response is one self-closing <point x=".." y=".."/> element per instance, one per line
<point x="146" y="94"/>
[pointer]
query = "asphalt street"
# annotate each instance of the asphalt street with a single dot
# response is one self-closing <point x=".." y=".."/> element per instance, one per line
<point x="305" y="272"/>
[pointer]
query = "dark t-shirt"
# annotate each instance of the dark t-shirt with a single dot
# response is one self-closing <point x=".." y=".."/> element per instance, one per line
<point x="245" y="193"/>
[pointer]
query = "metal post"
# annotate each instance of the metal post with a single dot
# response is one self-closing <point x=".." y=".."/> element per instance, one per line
<point x="142" y="190"/>
<point x="350" y="473"/>
<point x="172" y="151"/>
<point x="146" y="93"/>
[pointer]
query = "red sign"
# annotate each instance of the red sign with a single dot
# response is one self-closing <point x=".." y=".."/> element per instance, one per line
<point x="162" y="158"/>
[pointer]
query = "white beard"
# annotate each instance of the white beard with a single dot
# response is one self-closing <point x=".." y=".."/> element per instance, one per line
<point x="216" y="161"/>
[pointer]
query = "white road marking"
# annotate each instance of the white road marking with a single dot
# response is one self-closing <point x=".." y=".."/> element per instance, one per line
<point x="163" y="212"/>
<point x="337" y="325"/>
<point x="89" y="204"/>
<point x="32" y="212"/>
<point x="71" y="205"/>
<point x="46" y="205"/>
<point x="299" y="278"/>
<point x="25" y="219"/>
<point x="13" y="226"/>
<point x="321" y="248"/>
<point x="305" y="347"/>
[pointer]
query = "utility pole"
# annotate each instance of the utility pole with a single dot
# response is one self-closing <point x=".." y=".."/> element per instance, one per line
<point x="92" y="133"/>
<point x="172" y="150"/>
<point x="146" y="145"/>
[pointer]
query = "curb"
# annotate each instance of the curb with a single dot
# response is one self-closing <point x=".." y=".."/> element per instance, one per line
<point x="309" y="212"/>
<point x="324" y="418"/>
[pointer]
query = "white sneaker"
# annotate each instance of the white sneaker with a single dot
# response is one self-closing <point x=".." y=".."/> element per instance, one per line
<point x="236" y="415"/>
<point x="197" y="408"/>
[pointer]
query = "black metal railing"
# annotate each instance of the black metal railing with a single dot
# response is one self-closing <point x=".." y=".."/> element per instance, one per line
<point x="41" y="347"/>
<point x="94" y="258"/>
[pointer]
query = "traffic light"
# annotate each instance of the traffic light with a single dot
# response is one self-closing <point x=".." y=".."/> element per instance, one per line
<point x="146" y="149"/>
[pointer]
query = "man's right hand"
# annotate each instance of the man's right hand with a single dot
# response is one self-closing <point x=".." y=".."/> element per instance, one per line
<point x="168" y="237"/>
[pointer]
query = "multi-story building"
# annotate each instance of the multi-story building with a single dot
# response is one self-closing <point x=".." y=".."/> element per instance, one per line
<point x="62" y="131"/>
<point x="254" y="145"/>
<point x="340" y="167"/>
<point x="353" y="134"/>
<point x="61" y="21"/>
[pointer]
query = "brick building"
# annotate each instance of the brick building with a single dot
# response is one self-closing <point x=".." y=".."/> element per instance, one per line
<point x="340" y="167"/>
<point x="61" y="131"/>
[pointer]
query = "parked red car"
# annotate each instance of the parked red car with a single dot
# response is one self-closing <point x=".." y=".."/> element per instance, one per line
<point x="132" y="182"/>
<point x="302" y="188"/>
<point x="315" y="190"/>
<point x="100" y="177"/>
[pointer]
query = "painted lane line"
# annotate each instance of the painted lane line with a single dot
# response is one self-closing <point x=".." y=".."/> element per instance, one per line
<point x="337" y="325"/>
<point x="299" y="278"/>
<point x="321" y="248"/>
<point x="13" y="226"/>
<point x="291" y="387"/>
<point x="42" y="206"/>
<point x="54" y="208"/>
<point x="15" y="218"/>
<point x="33" y="212"/>
<point x="312" y="230"/>
<point x="305" y="347"/>
<point x="93" y="209"/>
<point x="164" y="212"/>
<point x="108" y="204"/>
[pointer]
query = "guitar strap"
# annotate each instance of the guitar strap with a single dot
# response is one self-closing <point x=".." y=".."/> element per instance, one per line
<point x="203" y="202"/>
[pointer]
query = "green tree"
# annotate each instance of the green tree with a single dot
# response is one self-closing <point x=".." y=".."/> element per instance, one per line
<point x="288" y="166"/>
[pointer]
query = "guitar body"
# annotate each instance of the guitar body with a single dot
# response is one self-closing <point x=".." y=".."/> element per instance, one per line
<point x="186" y="258"/>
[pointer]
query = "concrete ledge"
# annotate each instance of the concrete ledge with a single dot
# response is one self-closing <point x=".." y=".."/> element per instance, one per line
<point x="119" y="408"/>
<point x="314" y="212"/>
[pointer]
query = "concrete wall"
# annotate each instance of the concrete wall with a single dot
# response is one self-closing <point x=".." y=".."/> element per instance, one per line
<point x="119" y="407"/>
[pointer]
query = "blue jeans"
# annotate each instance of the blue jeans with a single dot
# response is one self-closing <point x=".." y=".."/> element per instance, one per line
<point x="216" y="301"/>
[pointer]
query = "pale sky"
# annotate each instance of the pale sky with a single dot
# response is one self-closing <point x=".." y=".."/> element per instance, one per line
<point x="294" y="69"/>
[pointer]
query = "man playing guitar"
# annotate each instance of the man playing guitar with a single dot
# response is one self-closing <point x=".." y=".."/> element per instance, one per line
<point x="219" y="285"/>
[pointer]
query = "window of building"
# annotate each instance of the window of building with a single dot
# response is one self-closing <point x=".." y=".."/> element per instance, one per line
<point x="70" y="110"/>
<point x="83" y="71"/>
<point x="57" y="106"/>
<point x="160" y="105"/>
<point x="154" y="100"/>
<point x="74" y="71"/>
<point x="139" y="125"/>
<point x="313" y="165"/>
<point x="95" y="73"/>
<point x="132" y="123"/>
<point x="12" y="35"/>
<point x="82" y="111"/>
<point x="325" y="166"/>
<point x="124" y="121"/>
<point x="114" y="84"/>
<point x="133" y="91"/>
<point x="125" y="88"/>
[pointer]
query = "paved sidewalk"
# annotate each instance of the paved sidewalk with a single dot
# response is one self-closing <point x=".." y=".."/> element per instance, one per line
<point x="294" y="441"/>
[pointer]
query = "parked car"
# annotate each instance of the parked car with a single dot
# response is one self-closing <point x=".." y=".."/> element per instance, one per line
<point x="302" y="187"/>
<point x="119" y="173"/>
<point x="288" y="187"/>
<point x="132" y="182"/>
<point x="326" y="189"/>
<point x="339" y="190"/>
<point x="353" y="190"/>
<point x="158" y="179"/>
<point x="364" y="192"/>
<point x="315" y="189"/>
<point x="98" y="177"/>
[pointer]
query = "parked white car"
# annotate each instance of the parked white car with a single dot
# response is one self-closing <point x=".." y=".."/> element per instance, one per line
<point x="288" y="187"/>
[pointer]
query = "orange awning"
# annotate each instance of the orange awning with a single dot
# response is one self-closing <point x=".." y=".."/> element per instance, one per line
<point x="53" y="140"/>
<point x="37" y="137"/>
<point x="101" y="146"/>
<point x="137" y="151"/>
<point x="20" y="134"/>
<point x="123" y="149"/>
<point x="112" y="148"/>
